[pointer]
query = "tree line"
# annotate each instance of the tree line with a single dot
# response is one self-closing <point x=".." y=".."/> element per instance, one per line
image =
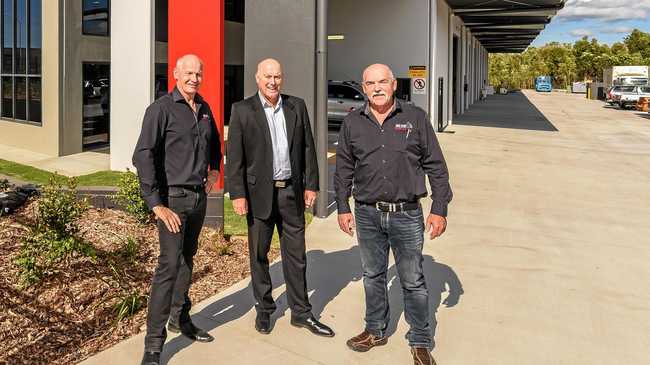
<point x="583" y="60"/>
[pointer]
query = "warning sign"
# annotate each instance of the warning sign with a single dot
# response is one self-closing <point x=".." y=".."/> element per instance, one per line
<point x="417" y="71"/>
<point x="419" y="86"/>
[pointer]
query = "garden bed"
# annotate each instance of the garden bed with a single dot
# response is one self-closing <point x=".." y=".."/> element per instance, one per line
<point x="74" y="312"/>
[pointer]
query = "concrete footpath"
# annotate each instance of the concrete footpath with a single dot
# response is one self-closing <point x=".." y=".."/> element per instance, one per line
<point x="548" y="238"/>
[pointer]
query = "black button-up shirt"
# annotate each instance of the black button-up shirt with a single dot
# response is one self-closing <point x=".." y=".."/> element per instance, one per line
<point x="387" y="162"/>
<point x="176" y="146"/>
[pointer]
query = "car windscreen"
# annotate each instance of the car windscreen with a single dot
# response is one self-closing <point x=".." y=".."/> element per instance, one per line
<point x="627" y="89"/>
<point x="645" y="89"/>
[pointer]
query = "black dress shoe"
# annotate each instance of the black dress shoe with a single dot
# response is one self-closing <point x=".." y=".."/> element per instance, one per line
<point x="150" y="358"/>
<point x="263" y="323"/>
<point x="313" y="325"/>
<point x="190" y="331"/>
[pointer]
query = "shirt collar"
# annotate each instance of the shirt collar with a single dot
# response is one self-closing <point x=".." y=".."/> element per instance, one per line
<point x="266" y="104"/>
<point x="177" y="96"/>
<point x="397" y="106"/>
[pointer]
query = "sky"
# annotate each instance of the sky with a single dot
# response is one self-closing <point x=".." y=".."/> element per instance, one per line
<point x="608" y="21"/>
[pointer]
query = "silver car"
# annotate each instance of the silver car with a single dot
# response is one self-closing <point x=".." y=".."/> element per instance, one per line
<point x="342" y="98"/>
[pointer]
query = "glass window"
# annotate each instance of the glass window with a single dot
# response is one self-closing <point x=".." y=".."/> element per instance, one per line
<point x="235" y="10"/>
<point x="20" y="52"/>
<point x="35" y="38"/>
<point x="34" y="108"/>
<point x="161" y="21"/>
<point x="20" y="96"/>
<point x="7" y="36"/>
<point x="7" y="97"/>
<point x="96" y="105"/>
<point x="21" y="60"/>
<point x="95" y="17"/>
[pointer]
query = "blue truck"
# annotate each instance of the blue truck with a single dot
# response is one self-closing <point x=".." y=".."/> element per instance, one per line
<point x="543" y="83"/>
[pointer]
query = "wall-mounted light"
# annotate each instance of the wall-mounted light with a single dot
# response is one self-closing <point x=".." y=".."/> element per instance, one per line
<point x="335" y="37"/>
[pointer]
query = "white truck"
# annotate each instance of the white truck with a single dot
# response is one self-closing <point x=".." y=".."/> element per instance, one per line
<point x="625" y="75"/>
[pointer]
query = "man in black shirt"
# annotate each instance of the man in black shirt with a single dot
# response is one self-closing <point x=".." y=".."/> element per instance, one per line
<point x="179" y="141"/>
<point x="384" y="150"/>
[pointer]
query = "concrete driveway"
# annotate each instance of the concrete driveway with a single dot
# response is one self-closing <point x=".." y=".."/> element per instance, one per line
<point x="548" y="238"/>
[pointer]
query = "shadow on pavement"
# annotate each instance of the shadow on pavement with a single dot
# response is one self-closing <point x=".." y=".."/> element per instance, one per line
<point x="512" y="110"/>
<point x="327" y="274"/>
<point x="440" y="278"/>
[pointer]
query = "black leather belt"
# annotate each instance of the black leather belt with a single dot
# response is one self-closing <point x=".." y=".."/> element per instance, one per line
<point x="194" y="188"/>
<point x="393" y="207"/>
<point x="281" y="183"/>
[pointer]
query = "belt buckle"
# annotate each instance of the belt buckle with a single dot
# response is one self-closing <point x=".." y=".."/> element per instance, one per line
<point x="280" y="184"/>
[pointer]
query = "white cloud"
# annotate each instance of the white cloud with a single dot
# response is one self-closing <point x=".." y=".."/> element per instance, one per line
<point x="581" y="32"/>
<point x="605" y="10"/>
<point x="618" y="30"/>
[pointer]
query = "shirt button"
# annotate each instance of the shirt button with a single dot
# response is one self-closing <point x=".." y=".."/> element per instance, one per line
<point x="382" y="146"/>
<point x="384" y="161"/>
<point x="382" y="131"/>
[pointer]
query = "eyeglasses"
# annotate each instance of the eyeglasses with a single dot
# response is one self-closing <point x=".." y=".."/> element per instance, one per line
<point x="383" y="82"/>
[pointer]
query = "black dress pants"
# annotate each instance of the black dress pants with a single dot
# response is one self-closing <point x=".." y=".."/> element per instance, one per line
<point x="169" y="298"/>
<point x="290" y="220"/>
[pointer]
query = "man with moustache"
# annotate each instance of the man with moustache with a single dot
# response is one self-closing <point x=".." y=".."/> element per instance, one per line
<point x="177" y="157"/>
<point x="272" y="177"/>
<point x="386" y="148"/>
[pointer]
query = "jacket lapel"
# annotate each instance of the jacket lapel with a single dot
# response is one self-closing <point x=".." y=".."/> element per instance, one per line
<point x="260" y="118"/>
<point x="290" y="118"/>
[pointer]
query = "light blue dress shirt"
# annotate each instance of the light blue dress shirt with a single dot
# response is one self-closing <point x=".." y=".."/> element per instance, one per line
<point x="278" y="130"/>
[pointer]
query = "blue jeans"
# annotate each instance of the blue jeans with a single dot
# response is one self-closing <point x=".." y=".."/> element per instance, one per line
<point x="403" y="232"/>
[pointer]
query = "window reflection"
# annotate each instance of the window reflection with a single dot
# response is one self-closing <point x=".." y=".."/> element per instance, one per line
<point x="96" y="104"/>
<point x="95" y="17"/>
<point x="34" y="92"/>
<point x="7" y="97"/>
<point x="7" y="36"/>
<point x="21" y="60"/>
<point x="35" y="38"/>
<point x="20" y="52"/>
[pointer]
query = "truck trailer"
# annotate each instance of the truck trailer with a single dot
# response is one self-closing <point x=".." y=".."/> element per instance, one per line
<point x="625" y="75"/>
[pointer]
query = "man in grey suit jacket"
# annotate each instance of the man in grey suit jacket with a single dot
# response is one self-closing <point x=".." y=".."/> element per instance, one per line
<point x="272" y="176"/>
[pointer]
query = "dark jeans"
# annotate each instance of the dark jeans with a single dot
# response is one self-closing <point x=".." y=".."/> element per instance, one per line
<point x="169" y="298"/>
<point x="290" y="220"/>
<point x="403" y="232"/>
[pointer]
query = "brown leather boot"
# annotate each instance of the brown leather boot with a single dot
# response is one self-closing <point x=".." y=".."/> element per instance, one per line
<point x="365" y="341"/>
<point x="422" y="356"/>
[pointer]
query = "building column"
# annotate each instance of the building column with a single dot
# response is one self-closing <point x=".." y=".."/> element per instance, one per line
<point x="202" y="35"/>
<point x="433" y="52"/>
<point x="132" y="75"/>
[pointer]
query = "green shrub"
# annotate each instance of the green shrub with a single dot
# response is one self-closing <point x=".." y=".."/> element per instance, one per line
<point x="51" y="239"/>
<point x="128" y="195"/>
<point x="59" y="208"/>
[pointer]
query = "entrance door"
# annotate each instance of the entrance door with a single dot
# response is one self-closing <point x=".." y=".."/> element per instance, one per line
<point x="96" y="105"/>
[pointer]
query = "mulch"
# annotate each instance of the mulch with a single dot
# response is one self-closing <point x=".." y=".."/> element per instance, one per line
<point x="71" y="315"/>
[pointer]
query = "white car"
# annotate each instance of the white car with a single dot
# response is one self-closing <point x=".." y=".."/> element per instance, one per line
<point x="626" y="99"/>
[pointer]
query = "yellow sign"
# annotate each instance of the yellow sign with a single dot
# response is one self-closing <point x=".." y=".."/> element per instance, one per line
<point x="417" y="71"/>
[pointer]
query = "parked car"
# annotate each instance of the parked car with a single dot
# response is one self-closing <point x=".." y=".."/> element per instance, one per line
<point x="613" y="91"/>
<point x="626" y="99"/>
<point x="342" y="98"/>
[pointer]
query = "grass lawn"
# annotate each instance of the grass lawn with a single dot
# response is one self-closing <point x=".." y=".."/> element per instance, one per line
<point x="38" y="176"/>
<point x="235" y="225"/>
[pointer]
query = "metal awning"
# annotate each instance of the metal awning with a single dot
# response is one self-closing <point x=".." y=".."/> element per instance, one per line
<point x="506" y="26"/>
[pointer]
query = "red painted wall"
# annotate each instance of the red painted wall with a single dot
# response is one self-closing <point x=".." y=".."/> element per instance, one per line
<point x="197" y="26"/>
